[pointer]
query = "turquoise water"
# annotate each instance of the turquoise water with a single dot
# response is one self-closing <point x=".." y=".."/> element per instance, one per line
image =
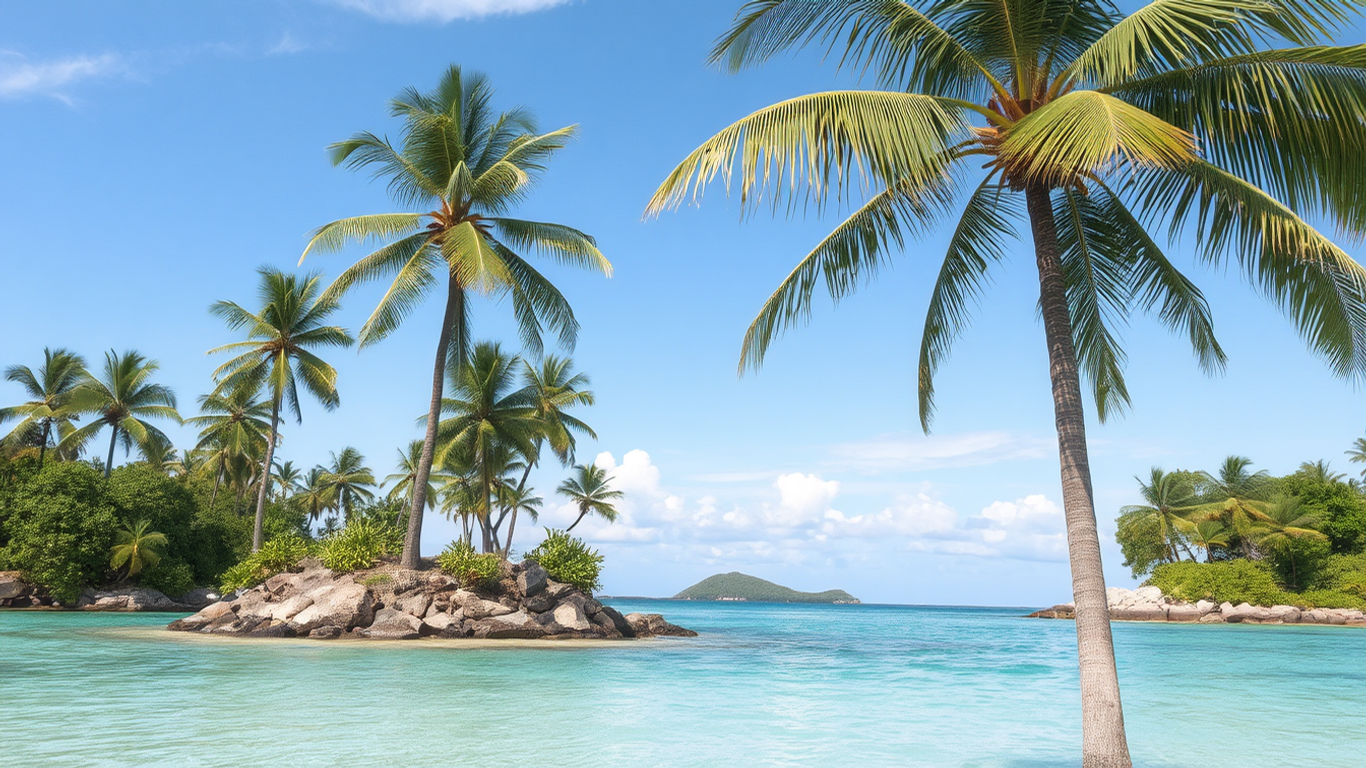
<point x="764" y="685"/>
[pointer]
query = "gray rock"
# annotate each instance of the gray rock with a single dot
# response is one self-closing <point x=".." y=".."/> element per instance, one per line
<point x="197" y="599"/>
<point x="618" y="621"/>
<point x="518" y="625"/>
<point x="1150" y="613"/>
<point x="1285" y="614"/>
<point x="130" y="599"/>
<point x="532" y="579"/>
<point x="329" y="632"/>
<point x="272" y="629"/>
<point x="289" y="608"/>
<point x="571" y="616"/>
<point x="437" y="624"/>
<point x="1212" y="618"/>
<point x="13" y="587"/>
<point x="540" y="603"/>
<point x="1205" y="606"/>
<point x="1184" y="613"/>
<point x="204" y="618"/>
<point x="415" y="603"/>
<point x="476" y="607"/>
<point x="393" y="624"/>
<point x="345" y="604"/>
<point x="653" y="624"/>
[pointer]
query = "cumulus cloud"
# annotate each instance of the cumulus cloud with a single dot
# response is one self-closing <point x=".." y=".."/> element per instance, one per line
<point x="914" y="452"/>
<point x="21" y="76"/>
<point x="442" y="10"/>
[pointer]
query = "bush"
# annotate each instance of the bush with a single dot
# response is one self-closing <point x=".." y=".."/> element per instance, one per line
<point x="1345" y="574"/>
<point x="1327" y="598"/>
<point x="1297" y="562"/>
<point x="568" y="560"/>
<point x="275" y="556"/>
<point x="468" y="567"/>
<point x="1235" y="581"/>
<point x="358" y="545"/>
<point x="61" y="527"/>
<point x="169" y="577"/>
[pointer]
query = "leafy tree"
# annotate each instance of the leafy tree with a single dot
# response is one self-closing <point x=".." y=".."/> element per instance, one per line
<point x="278" y="355"/>
<point x="61" y="527"/>
<point x="1237" y="498"/>
<point x="136" y="548"/>
<point x="402" y="480"/>
<point x="489" y="419"/>
<point x="348" y="481"/>
<point x="591" y="491"/>
<point x="1340" y="507"/>
<point x="1092" y="126"/>
<point x="1209" y="535"/>
<point x="287" y="478"/>
<point x="1167" y="496"/>
<point x="122" y="398"/>
<point x="1290" y="537"/>
<point x="315" y="495"/>
<point x="467" y="166"/>
<point x="47" y="416"/>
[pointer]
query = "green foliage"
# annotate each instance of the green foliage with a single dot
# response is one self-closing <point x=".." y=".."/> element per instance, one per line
<point x="1141" y="541"/>
<point x="360" y="545"/>
<point x="1297" y="562"/>
<point x="171" y="578"/>
<point x="740" y="586"/>
<point x="1340" y="507"/>
<point x="136" y="548"/>
<point x="568" y="560"/>
<point x="1328" y="598"/>
<point x="470" y="568"/>
<point x="1236" y="581"/>
<point x="275" y="556"/>
<point x="61" y="526"/>
<point x="1344" y="574"/>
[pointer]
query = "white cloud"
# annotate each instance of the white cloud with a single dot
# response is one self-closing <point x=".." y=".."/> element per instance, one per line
<point x="443" y="10"/>
<point x="912" y="452"/>
<point x="802" y="499"/>
<point x="21" y="76"/>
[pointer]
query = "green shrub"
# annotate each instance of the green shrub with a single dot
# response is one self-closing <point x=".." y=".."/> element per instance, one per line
<point x="60" y="528"/>
<point x="360" y="544"/>
<point x="1235" y="581"/>
<point x="169" y="577"/>
<point x="1345" y="574"/>
<point x="469" y="568"/>
<point x="568" y="560"/>
<point x="275" y="556"/>
<point x="1327" y="598"/>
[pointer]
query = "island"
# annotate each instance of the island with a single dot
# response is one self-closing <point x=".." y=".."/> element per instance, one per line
<point x="740" y="587"/>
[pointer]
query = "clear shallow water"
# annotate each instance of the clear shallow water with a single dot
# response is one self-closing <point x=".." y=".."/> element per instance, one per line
<point x="764" y="685"/>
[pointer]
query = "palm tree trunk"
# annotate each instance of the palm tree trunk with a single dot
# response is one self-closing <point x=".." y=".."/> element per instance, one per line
<point x="487" y="521"/>
<point x="217" y="481"/>
<point x="577" y="520"/>
<point x="258" y="529"/>
<point x="512" y="524"/>
<point x="42" y="449"/>
<point x="1103" y="741"/>
<point x="455" y="312"/>
<point x="113" y="438"/>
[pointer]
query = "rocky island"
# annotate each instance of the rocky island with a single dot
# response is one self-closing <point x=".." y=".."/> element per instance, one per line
<point x="389" y="603"/>
<point x="1150" y="604"/>
<point x="742" y="587"/>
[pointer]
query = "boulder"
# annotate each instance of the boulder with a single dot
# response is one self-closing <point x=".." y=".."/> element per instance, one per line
<point x="475" y="607"/>
<point x="1184" y="613"/>
<point x="571" y="616"/>
<point x="518" y="625"/>
<point x="532" y="579"/>
<point x="1285" y="614"/>
<point x="540" y="602"/>
<point x="289" y="608"/>
<point x="329" y="632"/>
<point x="437" y="624"/>
<point x="129" y="599"/>
<point x="204" y="618"/>
<point x="1152" y="612"/>
<point x="414" y="603"/>
<point x="1212" y="618"/>
<point x="14" y="590"/>
<point x="345" y="604"/>
<point x="197" y="599"/>
<point x="1056" y="612"/>
<point x="272" y="629"/>
<point x="1205" y="606"/>
<point x="618" y="621"/>
<point x="393" y="624"/>
<point x="653" y="624"/>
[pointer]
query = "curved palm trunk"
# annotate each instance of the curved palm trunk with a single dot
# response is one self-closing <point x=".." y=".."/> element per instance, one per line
<point x="258" y="529"/>
<point x="1103" y="741"/>
<point x="42" y="449"/>
<point x="577" y="520"/>
<point x="512" y="524"/>
<point x="113" y="438"/>
<point x="455" y="311"/>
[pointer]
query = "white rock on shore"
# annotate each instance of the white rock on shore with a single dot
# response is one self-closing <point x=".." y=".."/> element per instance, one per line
<point x="1149" y="604"/>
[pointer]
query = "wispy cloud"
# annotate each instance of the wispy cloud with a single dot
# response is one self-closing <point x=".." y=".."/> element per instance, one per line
<point x="287" y="44"/>
<point x="21" y="76"/>
<point x="912" y="452"/>
<point x="442" y="10"/>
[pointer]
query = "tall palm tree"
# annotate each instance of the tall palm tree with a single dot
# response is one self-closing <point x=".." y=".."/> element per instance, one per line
<point x="1090" y="127"/>
<point x="1168" y="496"/>
<point x="315" y="495"/>
<point x="278" y="355"/>
<point x="1207" y="535"/>
<point x="287" y="478"/>
<point x="1237" y="497"/>
<point x="517" y="499"/>
<point x="489" y="418"/>
<point x="349" y="481"/>
<point x="591" y="491"/>
<point x="1320" y="471"/>
<point x="123" y="398"/>
<point x="46" y="416"/>
<point x="233" y="427"/>
<point x="466" y="166"/>
<point x="408" y="462"/>
<point x="1286" y="524"/>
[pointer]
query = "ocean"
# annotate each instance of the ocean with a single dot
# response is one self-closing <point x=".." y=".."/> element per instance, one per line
<point x="765" y="684"/>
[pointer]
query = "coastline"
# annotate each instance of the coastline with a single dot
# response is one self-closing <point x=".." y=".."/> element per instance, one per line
<point x="1148" y="604"/>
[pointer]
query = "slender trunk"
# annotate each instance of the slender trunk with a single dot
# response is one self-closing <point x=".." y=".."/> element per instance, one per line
<point x="576" y="521"/>
<point x="487" y="520"/>
<point x="217" y="481"/>
<point x="113" y="438"/>
<point x="258" y="531"/>
<point x="1103" y="741"/>
<point x="455" y="310"/>
<point x="42" y="449"/>
<point x="512" y="524"/>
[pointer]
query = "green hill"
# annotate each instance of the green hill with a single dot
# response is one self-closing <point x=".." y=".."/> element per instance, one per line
<point x="739" y="586"/>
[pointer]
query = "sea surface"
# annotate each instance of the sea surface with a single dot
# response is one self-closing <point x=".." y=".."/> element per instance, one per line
<point x="765" y="685"/>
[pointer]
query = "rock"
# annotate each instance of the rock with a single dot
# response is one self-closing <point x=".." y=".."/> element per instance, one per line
<point x="345" y="604"/>
<point x="329" y="632"/>
<point x="14" y="591"/>
<point x="393" y="624"/>
<point x="653" y="624"/>
<point x="437" y="624"/>
<point x="477" y="608"/>
<point x="197" y="599"/>
<point x="1056" y="612"/>
<point x="571" y="616"/>
<point x="540" y="603"/>
<point x="1148" y="594"/>
<point x="1152" y="612"/>
<point x="272" y="629"/>
<point x="1285" y="614"/>
<point x="1205" y="606"/>
<point x="204" y="618"/>
<point x="415" y="604"/>
<point x="129" y="599"/>
<point x="619" y="621"/>
<point x="532" y="579"/>
<point x="1212" y="618"/>
<point x="519" y="625"/>
<point x="1184" y="613"/>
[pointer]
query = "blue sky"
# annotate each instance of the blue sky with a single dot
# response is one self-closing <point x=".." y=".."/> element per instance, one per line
<point x="156" y="153"/>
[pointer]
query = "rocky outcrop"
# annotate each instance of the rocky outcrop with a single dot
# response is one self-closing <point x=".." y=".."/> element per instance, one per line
<point x="388" y="603"/>
<point x="1149" y="604"/>
<point x="17" y="593"/>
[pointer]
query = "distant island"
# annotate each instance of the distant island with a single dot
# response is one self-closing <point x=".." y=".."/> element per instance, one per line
<point x="745" y="588"/>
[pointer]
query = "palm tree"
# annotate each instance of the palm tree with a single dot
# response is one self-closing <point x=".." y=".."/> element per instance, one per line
<point x="1357" y="455"/>
<point x="277" y="354"/>
<point x="1237" y="498"/>
<point x="161" y="456"/>
<point x="233" y="427"/>
<point x="1169" y="495"/>
<point x="1319" y="471"/>
<point x="490" y="419"/>
<point x="315" y="495"/>
<point x="348" y="481"/>
<point x="1090" y="126"/>
<point x="517" y="498"/>
<point x="50" y="389"/>
<point x="122" y="398"/>
<point x="1207" y="535"/>
<point x="1286" y="524"/>
<point x="408" y="462"/>
<point x="287" y="477"/>
<point x="590" y="490"/>
<point x="467" y="166"/>
<point x="136" y="548"/>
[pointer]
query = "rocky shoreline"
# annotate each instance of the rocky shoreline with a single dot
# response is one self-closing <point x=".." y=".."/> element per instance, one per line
<point x="1149" y="604"/>
<point x="15" y="592"/>
<point x="389" y="603"/>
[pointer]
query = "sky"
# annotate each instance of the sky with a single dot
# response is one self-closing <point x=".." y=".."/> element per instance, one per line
<point x="155" y="154"/>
